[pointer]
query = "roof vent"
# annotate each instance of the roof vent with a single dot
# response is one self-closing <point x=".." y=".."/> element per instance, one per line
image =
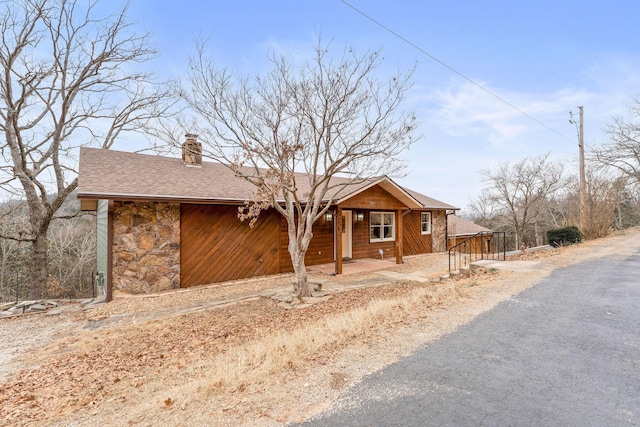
<point x="192" y="151"/>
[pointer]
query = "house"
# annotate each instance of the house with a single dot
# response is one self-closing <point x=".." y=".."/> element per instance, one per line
<point x="166" y="223"/>
<point x="478" y="239"/>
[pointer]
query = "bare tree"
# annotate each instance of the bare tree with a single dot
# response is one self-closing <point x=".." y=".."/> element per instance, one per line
<point x="482" y="210"/>
<point x="12" y="252"/>
<point x="67" y="80"/>
<point x="72" y="249"/>
<point x="603" y="199"/>
<point x="628" y="210"/>
<point x="324" y="118"/>
<point x="622" y="152"/>
<point x="520" y="192"/>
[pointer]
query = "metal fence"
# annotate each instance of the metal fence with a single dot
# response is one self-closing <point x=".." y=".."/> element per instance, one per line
<point x="16" y="287"/>
<point x="482" y="245"/>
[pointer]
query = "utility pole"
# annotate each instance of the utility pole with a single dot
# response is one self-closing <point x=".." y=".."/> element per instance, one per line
<point x="583" y="185"/>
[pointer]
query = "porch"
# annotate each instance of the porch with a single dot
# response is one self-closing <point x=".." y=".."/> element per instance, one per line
<point x="353" y="266"/>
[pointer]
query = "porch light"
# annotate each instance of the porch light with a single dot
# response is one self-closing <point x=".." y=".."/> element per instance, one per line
<point x="359" y="216"/>
<point x="328" y="216"/>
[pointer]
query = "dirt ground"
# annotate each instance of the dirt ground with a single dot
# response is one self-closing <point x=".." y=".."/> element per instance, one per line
<point x="168" y="359"/>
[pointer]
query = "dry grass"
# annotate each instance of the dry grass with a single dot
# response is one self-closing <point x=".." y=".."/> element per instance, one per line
<point x="178" y="362"/>
<point x="285" y="351"/>
<point x="219" y="385"/>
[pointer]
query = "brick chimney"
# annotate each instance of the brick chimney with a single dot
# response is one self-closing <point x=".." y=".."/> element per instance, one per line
<point x="192" y="151"/>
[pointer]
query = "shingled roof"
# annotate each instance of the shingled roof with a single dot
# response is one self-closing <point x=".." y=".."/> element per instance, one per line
<point x="461" y="227"/>
<point x="110" y="174"/>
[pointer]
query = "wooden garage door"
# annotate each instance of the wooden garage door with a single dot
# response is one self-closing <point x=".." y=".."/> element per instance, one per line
<point x="215" y="246"/>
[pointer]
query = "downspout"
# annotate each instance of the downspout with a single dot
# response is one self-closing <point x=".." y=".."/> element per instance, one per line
<point x="109" y="295"/>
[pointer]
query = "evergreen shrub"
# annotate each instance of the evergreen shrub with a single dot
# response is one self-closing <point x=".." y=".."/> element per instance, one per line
<point x="564" y="236"/>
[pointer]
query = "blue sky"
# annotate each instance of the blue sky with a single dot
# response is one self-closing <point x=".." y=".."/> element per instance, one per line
<point x="544" y="57"/>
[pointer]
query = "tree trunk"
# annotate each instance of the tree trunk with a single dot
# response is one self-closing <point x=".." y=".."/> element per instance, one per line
<point x="39" y="265"/>
<point x="300" y="236"/>
<point x="301" y="285"/>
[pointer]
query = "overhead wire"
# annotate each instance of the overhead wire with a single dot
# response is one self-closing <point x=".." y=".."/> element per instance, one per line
<point x="450" y="68"/>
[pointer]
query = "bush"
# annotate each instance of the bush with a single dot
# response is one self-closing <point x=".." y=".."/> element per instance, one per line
<point x="564" y="236"/>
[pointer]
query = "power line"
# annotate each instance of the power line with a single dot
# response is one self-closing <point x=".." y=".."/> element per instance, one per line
<point x="450" y="68"/>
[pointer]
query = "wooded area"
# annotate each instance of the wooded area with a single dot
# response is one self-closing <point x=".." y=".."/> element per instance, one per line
<point x="71" y="251"/>
<point x="527" y="198"/>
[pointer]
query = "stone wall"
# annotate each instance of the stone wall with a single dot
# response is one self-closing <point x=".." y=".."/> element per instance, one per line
<point x="439" y="231"/>
<point x="146" y="247"/>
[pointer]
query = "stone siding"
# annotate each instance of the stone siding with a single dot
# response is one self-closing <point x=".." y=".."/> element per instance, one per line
<point x="439" y="231"/>
<point x="146" y="247"/>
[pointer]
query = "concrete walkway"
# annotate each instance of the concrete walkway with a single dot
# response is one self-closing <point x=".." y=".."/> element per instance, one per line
<point x="508" y="265"/>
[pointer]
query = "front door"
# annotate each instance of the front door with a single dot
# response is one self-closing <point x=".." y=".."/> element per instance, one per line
<point x="346" y="234"/>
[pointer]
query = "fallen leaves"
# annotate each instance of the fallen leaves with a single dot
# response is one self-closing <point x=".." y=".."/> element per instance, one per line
<point x="96" y="369"/>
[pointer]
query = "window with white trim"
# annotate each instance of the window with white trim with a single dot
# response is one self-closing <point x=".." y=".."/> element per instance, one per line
<point x="425" y="222"/>
<point x="382" y="226"/>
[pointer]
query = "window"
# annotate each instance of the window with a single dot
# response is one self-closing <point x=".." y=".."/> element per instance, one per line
<point x="425" y="222"/>
<point x="382" y="226"/>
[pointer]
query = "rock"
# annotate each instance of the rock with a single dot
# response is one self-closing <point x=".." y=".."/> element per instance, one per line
<point x="286" y="298"/>
<point x="303" y="305"/>
<point x="151" y="260"/>
<point x="125" y="256"/>
<point x="285" y="305"/>
<point x="26" y="304"/>
<point x="54" y="312"/>
<point x="146" y="241"/>
<point x="7" y="306"/>
<point x="36" y="308"/>
<point x="162" y="284"/>
<point x="319" y="294"/>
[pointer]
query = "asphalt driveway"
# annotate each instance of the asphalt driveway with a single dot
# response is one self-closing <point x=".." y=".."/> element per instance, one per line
<point x="566" y="352"/>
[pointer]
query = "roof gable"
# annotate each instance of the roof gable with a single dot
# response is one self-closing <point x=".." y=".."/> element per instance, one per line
<point x="390" y="187"/>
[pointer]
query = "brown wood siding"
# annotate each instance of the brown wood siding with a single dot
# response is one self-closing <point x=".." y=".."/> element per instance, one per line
<point x="320" y="248"/>
<point x="414" y="241"/>
<point x="216" y="246"/>
<point x="375" y="198"/>
<point x="476" y="244"/>
<point x="362" y="248"/>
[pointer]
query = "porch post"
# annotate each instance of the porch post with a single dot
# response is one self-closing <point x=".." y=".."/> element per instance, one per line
<point x="337" y="224"/>
<point x="399" y="237"/>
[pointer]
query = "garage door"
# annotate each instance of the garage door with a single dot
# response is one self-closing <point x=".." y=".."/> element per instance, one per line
<point x="215" y="246"/>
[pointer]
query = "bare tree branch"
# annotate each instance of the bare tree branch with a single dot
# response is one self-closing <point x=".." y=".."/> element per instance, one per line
<point x="622" y="151"/>
<point x="520" y="193"/>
